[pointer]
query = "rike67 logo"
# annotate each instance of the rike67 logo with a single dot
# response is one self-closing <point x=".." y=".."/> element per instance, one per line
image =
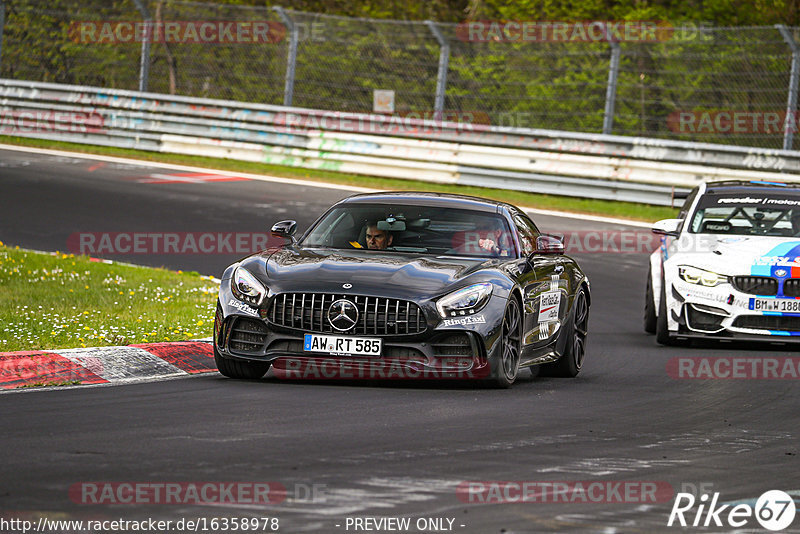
<point x="774" y="510"/>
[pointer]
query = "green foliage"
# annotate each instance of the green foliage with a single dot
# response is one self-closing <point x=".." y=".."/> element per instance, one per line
<point x="340" y="61"/>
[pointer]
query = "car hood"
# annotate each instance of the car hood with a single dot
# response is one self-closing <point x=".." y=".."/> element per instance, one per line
<point x="369" y="271"/>
<point x="732" y="255"/>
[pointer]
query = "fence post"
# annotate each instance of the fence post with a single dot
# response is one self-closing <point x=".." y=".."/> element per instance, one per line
<point x="144" y="61"/>
<point x="444" y="62"/>
<point x="2" y="29"/>
<point x="611" y="88"/>
<point x="291" y="60"/>
<point x="790" y="123"/>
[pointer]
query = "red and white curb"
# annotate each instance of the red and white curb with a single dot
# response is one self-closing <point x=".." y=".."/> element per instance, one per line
<point x="105" y="365"/>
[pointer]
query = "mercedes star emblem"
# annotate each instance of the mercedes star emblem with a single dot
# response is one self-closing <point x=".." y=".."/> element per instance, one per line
<point x="342" y="315"/>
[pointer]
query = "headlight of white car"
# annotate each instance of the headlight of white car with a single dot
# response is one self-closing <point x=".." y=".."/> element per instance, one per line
<point x="247" y="288"/>
<point x="465" y="301"/>
<point x="701" y="277"/>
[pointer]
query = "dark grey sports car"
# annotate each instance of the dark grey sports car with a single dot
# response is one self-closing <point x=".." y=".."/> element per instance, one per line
<point x="405" y="285"/>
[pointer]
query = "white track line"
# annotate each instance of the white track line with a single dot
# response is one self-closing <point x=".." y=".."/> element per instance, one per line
<point x="295" y="181"/>
<point x="188" y="168"/>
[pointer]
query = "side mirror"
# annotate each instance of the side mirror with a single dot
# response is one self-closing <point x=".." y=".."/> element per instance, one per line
<point x="668" y="227"/>
<point x="549" y="244"/>
<point x="285" y="229"/>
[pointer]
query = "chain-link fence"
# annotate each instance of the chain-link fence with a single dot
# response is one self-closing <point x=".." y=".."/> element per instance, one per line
<point x="689" y="82"/>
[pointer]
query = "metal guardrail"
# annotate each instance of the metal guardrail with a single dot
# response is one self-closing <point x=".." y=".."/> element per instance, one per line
<point x="543" y="161"/>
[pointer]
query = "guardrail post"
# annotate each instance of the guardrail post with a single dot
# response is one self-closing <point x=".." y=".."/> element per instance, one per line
<point x="790" y="123"/>
<point x="291" y="60"/>
<point x="2" y="28"/>
<point x="611" y="88"/>
<point x="444" y="63"/>
<point x="144" y="61"/>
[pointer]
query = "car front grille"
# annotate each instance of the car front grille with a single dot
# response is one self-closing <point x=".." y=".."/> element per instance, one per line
<point x="791" y="287"/>
<point x="755" y="285"/>
<point x="377" y="316"/>
<point x="768" y="322"/>
<point x="247" y="335"/>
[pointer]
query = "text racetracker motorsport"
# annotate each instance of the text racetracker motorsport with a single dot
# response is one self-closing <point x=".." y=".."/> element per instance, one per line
<point x="399" y="524"/>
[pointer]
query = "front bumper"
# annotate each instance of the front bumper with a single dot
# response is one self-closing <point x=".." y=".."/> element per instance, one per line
<point x="724" y="312"/>
<point x="442" y="354"/>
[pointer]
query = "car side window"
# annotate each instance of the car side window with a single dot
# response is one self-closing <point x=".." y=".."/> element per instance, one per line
<point x="527" y="234"/>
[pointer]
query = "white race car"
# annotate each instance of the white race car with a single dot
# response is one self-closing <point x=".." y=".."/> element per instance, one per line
<point x="728" y="266"/>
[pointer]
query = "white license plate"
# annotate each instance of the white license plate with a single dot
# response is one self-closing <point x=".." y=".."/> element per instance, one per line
<point x="342" y="345"/>
<point x="775" y="305"/>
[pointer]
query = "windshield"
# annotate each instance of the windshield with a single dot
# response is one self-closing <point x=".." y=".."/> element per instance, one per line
<point x="745" y="215"/>
<point x="420" y="229"/>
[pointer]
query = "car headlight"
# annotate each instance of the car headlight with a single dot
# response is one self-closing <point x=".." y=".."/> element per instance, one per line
<point x="701" y="277"/>
<point x="465" y="301"/>
<point x="247" y="288"/>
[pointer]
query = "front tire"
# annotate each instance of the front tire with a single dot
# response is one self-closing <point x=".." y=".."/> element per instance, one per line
<point x="239" y="369"/>
<point x="662" y="330"/>
<point x="570" y="363"/>
<point x="510" y="345"/>
<point x="650" y="318"/>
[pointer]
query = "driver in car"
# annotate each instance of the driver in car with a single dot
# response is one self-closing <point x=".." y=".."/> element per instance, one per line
<point x="378" y="239"/>
<point x="494" y="240"/>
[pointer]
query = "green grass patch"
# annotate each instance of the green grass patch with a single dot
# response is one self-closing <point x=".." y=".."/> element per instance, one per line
<point x="59" y="301"/>
<point x="624" y="210"/>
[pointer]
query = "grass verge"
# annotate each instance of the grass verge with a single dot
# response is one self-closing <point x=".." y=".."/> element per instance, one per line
<point x="60" y="301"/>
<point x="624" y="210"/>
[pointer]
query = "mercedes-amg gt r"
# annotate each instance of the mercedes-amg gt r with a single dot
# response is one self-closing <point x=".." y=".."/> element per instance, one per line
<point x="405" y="285"/>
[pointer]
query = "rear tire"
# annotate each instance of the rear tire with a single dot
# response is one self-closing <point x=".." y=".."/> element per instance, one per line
<point x="650" y="317"/>
<point x="240" y="369"/>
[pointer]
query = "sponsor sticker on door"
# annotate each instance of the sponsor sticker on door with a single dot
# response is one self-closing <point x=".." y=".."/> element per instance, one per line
<point x="548" y="306"/>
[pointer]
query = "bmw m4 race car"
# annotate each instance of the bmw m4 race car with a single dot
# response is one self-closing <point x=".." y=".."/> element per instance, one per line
<point x="405" y="285"/>
<point x="728" y="266"/>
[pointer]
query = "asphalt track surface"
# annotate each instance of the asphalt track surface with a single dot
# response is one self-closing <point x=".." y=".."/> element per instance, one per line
<point x="377" y="449"/>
